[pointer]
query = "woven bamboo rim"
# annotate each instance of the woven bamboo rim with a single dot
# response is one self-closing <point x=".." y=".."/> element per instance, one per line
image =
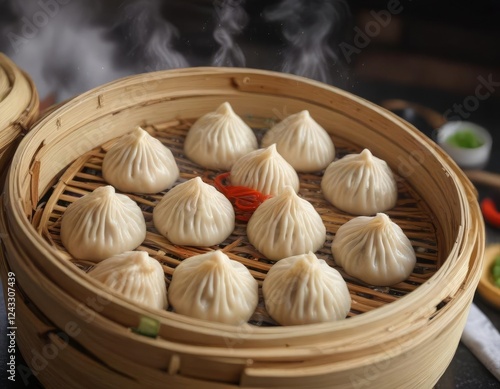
<point x="18" y="106"/>
<point x="346" y="345"/>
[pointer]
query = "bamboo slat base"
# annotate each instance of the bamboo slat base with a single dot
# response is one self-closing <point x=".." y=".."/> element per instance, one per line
<point x="410" y="213"/>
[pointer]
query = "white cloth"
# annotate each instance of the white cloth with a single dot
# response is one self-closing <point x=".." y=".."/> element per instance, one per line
<point x="483" y="340"/>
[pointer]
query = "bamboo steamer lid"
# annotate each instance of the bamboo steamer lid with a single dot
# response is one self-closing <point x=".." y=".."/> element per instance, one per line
<point x="18" y="107"/>
<point x="406" y="343"/>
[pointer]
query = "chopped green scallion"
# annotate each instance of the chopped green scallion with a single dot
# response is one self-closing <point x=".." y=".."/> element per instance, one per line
<point x="465" y="139"/>
<point x="148" y="327"/>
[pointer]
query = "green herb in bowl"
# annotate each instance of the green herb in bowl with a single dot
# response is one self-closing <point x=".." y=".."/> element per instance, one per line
<point x="465" y="139"/>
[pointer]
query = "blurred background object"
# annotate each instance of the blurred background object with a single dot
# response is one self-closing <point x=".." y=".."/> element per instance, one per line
<point x="73" y="45"/>
<point x="443" y="45"/>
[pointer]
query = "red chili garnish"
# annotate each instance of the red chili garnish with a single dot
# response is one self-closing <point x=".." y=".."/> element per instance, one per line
<point x="490" y="212"/>
<point x="245" y="200"/>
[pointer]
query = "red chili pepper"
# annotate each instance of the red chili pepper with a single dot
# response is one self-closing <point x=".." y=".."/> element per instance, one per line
<point x="490" y="212"/>
<point x="245" y="200"/>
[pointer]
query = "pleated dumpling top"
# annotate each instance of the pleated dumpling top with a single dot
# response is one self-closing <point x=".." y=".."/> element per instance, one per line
<point x="135" y="275"/>
<point x="302" y="142"/>
<point x="217" y="139"/>
<point x="213" y="287"/>
<point x="360" y="184"/>
<point x="101" y="224"/>
<point x="374" y="249"/>
<point x="303" y="289"/>
<point x="266" y="171"/>
<point x="140" y="163"/>
<point x="194" y="214"/>
<point x="286" y="225"/>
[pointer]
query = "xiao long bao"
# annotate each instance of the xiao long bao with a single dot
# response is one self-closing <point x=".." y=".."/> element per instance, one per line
<point x="286" y="225"/>
<point x="374" y="250"/>
<point x="264" y="170"/>
<point x="194" y="214"/>
<point x="139" y="163"/>
<point x="135" y="275"/>
<point x="302" y="142"/>
<point x="217" y="139"/>
<point x="101" y="224"/>
<point x="213" y="287"/>
<point x="303" y="289"/>
<point x="360" y="184"/>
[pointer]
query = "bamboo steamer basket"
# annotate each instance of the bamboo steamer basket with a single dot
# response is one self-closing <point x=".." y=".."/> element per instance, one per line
<point x="400" y="340"/>
<point x="18" y="107"/>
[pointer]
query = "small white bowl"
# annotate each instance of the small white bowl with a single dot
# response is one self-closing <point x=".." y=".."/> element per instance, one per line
<point x="466" y="158"/>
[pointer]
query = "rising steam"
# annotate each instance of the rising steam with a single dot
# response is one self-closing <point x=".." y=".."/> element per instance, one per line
<point x="231" y="20"/>
<point x="72" y="46"/>
<point x="150" y="36"/>
<point x="308" y="27"/>
<point x="61" y="46"/>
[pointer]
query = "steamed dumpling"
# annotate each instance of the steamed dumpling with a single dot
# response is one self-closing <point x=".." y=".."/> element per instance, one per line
<point x="139" y="163"/>
<point x="286" y="225"/>
<point x="303" y="290"/>
<point x="101" y="224"/>
<point x="264" y="170"/>
<point x="194" y="214"/>
<point x="135" y="275"/>
<point x="361" y="184"/>
<point x="374" y="250"/>
<point x="302" y="142"/>
<point x="218" y="139"/>
<point x="213" y="287"/>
